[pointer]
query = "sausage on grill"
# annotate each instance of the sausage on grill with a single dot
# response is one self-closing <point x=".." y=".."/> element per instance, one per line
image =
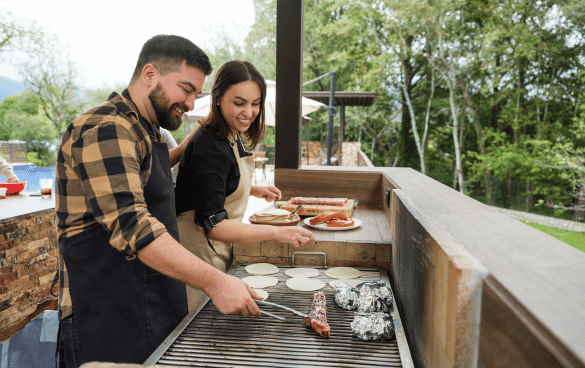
<point x="318" y="314"/>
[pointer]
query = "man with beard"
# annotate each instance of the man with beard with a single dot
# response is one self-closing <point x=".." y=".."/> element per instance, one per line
<point x="121" y="268"/>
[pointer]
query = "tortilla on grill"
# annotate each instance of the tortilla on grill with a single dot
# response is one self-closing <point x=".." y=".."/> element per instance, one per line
<point x="302" y="272"/>
<point x="260" y="282"/>
<point x="343" y="273"/>
<point x="304" y="284"/>
<point x="261" y="269"/>
<point x="263" y="294"/>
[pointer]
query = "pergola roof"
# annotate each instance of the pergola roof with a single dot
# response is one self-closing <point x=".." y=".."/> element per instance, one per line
<point x="342" y="98"/>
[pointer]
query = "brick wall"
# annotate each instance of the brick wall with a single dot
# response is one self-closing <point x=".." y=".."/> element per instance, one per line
<point x="28" y="261"/>
<point x="318" y="153"/>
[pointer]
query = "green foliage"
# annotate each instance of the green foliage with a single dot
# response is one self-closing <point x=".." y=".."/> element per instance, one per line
<point x="506" y="72"/>
<point x="24" y="103"/>
<point x="39" y="159"/>
<point x="20" y="119"/>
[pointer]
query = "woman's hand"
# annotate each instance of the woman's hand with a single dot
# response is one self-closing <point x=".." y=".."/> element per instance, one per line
<point x="269" y="192"/>
<point x="13" y="179"/>
<point x="294" y="235"/>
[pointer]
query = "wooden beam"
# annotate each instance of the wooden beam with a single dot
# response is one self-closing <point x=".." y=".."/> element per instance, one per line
<point x="289" y="80"/>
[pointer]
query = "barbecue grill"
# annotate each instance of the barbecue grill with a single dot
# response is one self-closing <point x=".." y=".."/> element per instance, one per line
<point x="207" y="338"/>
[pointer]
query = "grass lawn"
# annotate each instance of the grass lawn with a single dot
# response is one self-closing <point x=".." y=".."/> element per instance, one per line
<point x="574" y="238"/>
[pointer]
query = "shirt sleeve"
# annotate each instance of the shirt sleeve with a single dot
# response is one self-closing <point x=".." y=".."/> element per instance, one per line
<point x="6" y="169"/>
<point x="168" y="138"/>
<point x="209" y="175"/>
<point x="111" y="161"/>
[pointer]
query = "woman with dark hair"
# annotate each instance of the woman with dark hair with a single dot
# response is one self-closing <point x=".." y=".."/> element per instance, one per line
<point x="215" y="174"/>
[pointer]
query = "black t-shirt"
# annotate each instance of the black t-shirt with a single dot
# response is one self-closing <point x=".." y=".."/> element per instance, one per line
<point x="208" y="173"/>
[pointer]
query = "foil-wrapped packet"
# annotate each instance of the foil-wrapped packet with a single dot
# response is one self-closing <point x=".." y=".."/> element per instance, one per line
<point x="372" y="326"/>
<point x="345" y="296"/>
<point x="373" y="296"/>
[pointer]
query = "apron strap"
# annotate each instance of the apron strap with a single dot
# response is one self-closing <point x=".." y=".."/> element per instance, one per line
<point x="55" y="280"/>
<point x="211" y="222"/>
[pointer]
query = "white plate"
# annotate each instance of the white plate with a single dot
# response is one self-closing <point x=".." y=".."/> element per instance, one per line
<point x="323" y="225"/>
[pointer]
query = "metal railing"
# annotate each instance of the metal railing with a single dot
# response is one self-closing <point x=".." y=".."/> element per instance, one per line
<point x="13" y="151"/>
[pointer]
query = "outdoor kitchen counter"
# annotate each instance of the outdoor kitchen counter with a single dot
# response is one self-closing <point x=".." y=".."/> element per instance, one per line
<point x="368" y="245"/>
<point x="374" y="229"/>
<point x="29" y="257"/>
<point x="15" y="207"/>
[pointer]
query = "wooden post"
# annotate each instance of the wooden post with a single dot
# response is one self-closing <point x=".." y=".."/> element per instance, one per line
<point x="289" y="77"/>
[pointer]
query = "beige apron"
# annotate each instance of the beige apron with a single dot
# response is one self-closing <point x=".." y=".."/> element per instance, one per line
<point x="194" y="240"/>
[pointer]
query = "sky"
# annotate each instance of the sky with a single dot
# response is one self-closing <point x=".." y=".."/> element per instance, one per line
<point x="103" y="40"/>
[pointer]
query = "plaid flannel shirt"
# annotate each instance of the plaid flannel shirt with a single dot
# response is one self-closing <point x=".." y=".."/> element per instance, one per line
<point x="102" y="167"/>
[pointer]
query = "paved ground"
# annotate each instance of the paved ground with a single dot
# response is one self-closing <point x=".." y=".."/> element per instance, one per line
<point x="544" y="220"/>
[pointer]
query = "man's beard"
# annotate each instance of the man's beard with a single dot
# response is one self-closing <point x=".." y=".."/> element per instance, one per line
<point x="164" y="114"/>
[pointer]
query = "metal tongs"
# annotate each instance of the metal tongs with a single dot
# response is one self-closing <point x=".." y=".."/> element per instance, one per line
<point x="306" y="321"/>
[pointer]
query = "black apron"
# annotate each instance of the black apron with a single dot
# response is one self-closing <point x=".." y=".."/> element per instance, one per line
<point x="123" y="309"/>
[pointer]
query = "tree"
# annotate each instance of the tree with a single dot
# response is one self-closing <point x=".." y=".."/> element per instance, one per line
<point x="568" y="157"/>
<point x="17" y="34"/>
<point x="20" y="119"/>
<point x="260" y="45"/>
<point x="53" y="81"/>
<point x="21" y="104"/>
<point x="479" y="88"/>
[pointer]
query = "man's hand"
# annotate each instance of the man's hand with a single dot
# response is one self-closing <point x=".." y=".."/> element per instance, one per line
<point x="229" y="294"/>
<point x="233" y="296"/>
<point x="176" y="153"/>
<point x="14" y="179"/>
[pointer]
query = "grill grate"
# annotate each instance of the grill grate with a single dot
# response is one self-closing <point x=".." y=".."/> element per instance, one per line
<point x="215" y="340"/>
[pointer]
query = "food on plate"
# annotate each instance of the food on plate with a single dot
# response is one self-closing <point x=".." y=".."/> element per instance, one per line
<point x="260" y="282"/>
<point x="343" y="273"/>
<point x="304" y="284"/>
<point x="372" y="326"/>
<point x="275" y="217"/>
<point x="279" y="203"/>
<point x="263" y="294"/>
<point x="318" y="314"/>
<point x="321" y="201"/>
<point x="340" y="222"/>
<point x="302" y="272"/>
<point x="261" y="269"/>
<point x="272" y="215"/>
<point x="324" y="217"/>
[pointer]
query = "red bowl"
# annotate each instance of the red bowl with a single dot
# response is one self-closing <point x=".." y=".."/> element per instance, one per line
<point x="13" y="188"/>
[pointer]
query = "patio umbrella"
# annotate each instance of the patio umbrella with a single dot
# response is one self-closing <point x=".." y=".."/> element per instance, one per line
<point x="202" y="105"/>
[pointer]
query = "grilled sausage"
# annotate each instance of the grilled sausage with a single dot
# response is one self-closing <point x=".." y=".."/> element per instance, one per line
<point x="324" y="217"/>
<point x="318" y="314"/>
<point x="340" y="223"/>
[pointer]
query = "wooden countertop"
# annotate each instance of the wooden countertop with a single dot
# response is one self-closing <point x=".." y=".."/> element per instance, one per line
<point x="375" y="229"/>
<point x="14" y="207"/>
